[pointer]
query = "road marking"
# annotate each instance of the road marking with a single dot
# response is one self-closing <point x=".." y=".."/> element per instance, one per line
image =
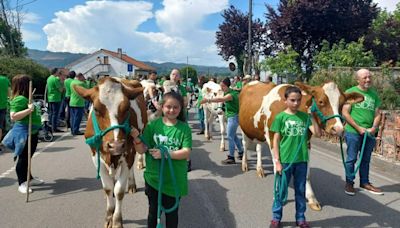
<point x="340" y="161"/>
<point x="37" y="153"/>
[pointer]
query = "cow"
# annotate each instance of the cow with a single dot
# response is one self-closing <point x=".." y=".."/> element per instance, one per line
<point x="261" y="102"/>
<point x="211" y="110"/>
<point x="115" y="101"/>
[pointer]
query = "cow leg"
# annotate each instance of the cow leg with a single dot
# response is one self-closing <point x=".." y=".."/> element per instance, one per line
<point x="260" y="170"/>
<point x="206" y="124"/>
<point x="312" y="200"/>
<point x="222" y="128"/>
<point x="131" y="181"/>
<point x="119" y="192"/>
<point x="140" y="162"/>
<point x="245" y="142"/>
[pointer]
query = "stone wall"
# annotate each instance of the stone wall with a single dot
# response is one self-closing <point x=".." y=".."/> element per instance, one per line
<point x="388" y="139"/>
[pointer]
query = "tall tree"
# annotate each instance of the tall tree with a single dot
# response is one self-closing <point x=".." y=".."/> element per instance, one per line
<point x="304" y="24"/>
<point x="383" y="38"/>
<point x="232" y="36"/>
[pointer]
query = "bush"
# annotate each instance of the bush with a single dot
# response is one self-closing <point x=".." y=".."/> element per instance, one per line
<point x="13" y="66"/>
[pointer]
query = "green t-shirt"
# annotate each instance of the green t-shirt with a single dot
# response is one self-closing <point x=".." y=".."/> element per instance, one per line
<point x="90" y="84"/>
<point x="239" y="85"/>
<point x="200" y="98"/>
<point x="76" y="100"/>
<point x="4" y="86"/>
<point x="53" y="89"/>
<point x="20" y="103"/>
<point x="67" y="85"/>
<point x="232" y="106"/>
<point x="174" y="137"/>
<point x="182" y="90"/>
<point x="363" y="113"/>
<point x="291" y="127"/>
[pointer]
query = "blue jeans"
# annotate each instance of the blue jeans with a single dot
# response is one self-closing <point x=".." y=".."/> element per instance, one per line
<point x="354" y="144"/>
<point x="233" y="123"/>
<point x="299" y="172"/>
<point x="200" y="114"/>
<point x="76" y="118"/>
<point x="63" y="105"/>
<point x="53" y="114"/>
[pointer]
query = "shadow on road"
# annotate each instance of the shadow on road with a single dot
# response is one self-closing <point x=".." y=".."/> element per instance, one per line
<point x="7" y="181"/>
<point x="57" y="149"/>
<point x="375" y="212"/>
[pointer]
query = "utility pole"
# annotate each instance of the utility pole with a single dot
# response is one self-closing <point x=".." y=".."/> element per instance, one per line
<point x="187" y="68"/>
<point x="249" y="57"/>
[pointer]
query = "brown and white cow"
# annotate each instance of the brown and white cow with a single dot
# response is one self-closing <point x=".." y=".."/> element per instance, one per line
<point x="212" y="110"/>
<point x="114" y="100"/>
<point x="260" y="103"/>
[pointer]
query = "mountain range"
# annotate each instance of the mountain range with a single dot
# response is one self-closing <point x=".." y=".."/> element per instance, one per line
<point x="60" y="59"/>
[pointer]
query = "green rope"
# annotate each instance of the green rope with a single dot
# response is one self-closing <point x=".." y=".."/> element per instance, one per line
<point x="97" y="139"/>
<point x="348" y="172"/>
<point x="165" y="155"/>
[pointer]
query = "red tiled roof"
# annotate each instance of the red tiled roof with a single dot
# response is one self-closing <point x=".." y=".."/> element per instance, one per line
<point x="128" y="59"/>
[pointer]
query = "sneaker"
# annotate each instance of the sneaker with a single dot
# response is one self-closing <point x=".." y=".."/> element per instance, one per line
<point x="36" y="181"/>
<point x="372" y="189"/>
<point x="240" y="156"/>
<point x="228" y="161"/>
<point x="200" y="133"/>
<point x="79" y="133"/>
<point x="303" y="224"/>
<point x="23" y="188"/>
<point x="349" y="189"/>
<point x="275" y="224"/>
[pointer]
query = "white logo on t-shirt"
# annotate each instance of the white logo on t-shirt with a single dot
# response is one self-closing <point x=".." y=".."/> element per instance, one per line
<point x="294" y="128"/>
<point x="367" y="104"/>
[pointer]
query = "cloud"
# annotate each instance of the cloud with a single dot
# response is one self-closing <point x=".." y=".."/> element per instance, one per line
<point x="30" y="18"/>
<point x="29" y="35"/>
<point x="390" y="5"/>
<point x="111" y="25"/>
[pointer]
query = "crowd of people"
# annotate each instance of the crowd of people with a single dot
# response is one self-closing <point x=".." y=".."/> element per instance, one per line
<point x="170" y="98"/>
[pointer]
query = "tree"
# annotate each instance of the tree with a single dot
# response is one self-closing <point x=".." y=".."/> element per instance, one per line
<point x="232" y="36"/>
<point x="343" y="55"/>
<point x="304" y="24"/>
<point x="283" y="63"/>
<point x="383" y="38"/>
<point x="191" y="73"/>
<point x="11" y="43"/>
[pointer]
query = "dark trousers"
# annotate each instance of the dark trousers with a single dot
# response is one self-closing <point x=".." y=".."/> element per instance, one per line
<point x="21" y="167"/>
<point x="76" y="118"/>
<point x="171" y="219"/>
<point x="67" y="113"/>
<point x="54" y="113"/>
<point x="63" y="105"/>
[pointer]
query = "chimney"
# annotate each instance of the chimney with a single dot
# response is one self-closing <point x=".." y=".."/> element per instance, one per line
<point x="119" y="53"/>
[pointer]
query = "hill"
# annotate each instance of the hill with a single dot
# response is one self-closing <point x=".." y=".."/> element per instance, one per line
<point x="60" y="59"/>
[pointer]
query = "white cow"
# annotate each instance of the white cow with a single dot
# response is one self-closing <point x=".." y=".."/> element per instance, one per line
<point x="211" y="110"/>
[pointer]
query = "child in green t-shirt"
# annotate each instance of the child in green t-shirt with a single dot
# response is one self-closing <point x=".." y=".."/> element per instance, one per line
<point x="289" y="127"/>
<point x="20" y="109"/>
<point x="172" y="131"/>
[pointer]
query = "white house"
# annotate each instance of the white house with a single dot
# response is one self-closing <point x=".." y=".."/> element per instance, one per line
<point x="105" y="62"/>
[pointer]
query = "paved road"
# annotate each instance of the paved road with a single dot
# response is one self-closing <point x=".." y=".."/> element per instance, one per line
<point x="220" y="196"/>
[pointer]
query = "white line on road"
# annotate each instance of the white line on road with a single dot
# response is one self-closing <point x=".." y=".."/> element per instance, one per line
<point x="318" y="151"/>
<point x="6" y="173"/>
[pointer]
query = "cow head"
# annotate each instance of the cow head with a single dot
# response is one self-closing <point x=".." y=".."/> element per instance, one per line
<point x="111" y="100"/>
<point x="212" y="90"/>
<point x="329" y="100"/>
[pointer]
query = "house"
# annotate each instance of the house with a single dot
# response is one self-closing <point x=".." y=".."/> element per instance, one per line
<point x="104" y="62"/>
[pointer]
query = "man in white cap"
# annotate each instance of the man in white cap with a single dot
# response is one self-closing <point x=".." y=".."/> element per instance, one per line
<point x="246" y="79"/>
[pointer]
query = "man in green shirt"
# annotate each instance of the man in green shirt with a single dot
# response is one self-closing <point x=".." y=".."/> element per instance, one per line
<point x="77" y="104"/>
<point x="5" y="92"/>
<point x="362" y="118"/>
<point x="231" y="99"/>
<point x="54" y="89"/>
<point x="67" y="86"/>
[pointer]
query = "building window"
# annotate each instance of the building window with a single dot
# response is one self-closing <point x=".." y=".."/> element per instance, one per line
<point x="105" y="59"/>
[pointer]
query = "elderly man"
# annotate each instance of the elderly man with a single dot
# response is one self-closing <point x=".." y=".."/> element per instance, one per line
<point x="362" y="118"/>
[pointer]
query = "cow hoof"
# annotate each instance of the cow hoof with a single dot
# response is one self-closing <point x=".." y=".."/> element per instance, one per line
<point x="132" y="189"/>
<point x="222" y="149"/>
<point x="108" y="223"/>
<point x="315" y="206"/>
<point x="260" y="173"/>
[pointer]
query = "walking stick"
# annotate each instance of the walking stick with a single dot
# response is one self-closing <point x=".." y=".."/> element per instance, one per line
<point x="29" y="144"/>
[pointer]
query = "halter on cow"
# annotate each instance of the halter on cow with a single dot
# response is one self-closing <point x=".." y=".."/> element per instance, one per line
<point x="211" y="90"/>
<point x="264" y="101"/>
<point x="117" y="105"/>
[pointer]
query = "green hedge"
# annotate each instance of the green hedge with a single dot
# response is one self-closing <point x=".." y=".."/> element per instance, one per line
<point x="13" y="66"/>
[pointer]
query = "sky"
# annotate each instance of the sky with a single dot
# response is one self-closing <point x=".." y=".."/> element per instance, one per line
<point x="148" y="30"/>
